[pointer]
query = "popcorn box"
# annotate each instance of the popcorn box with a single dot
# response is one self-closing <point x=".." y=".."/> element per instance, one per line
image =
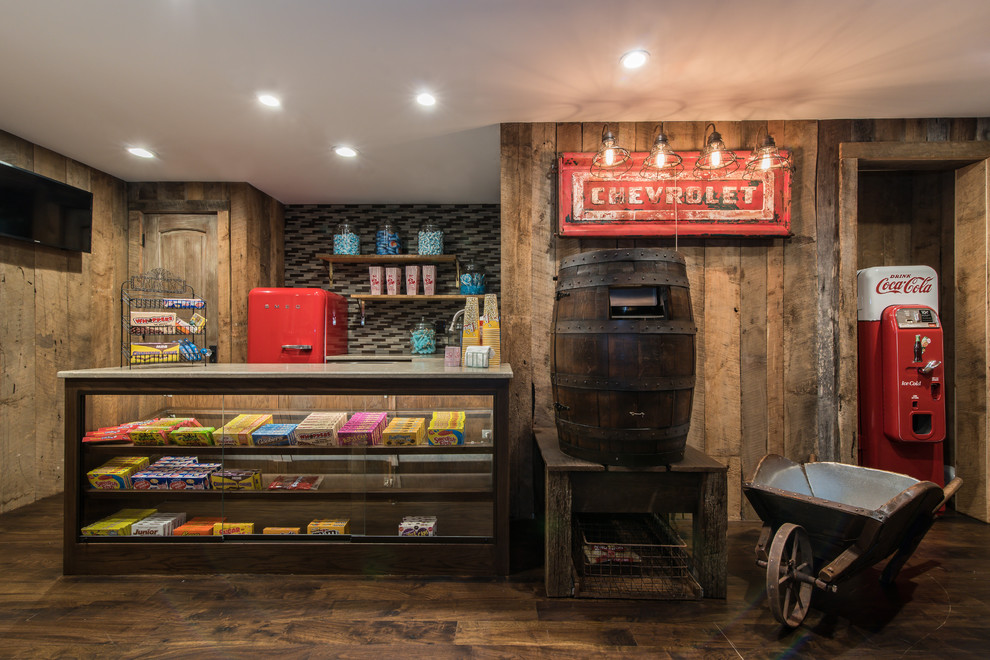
<point x="238" y="430"/>
<point x="280" y="530"/>
<point x="320" y="428"/>
<point x="363" y="428"/>
<point x="192" y="436"/>
<point x="446" y="428"/>
<point x="236" y="480"/>
<point x="329" y="526"/>
<point x="405" y="431"/>
<point x="274" y="435"/>
<point x="418" y="526"/>
<point x="233" y="528"/>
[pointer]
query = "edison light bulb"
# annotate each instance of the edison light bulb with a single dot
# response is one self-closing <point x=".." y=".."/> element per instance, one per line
<point x="609" y="157"/>
<point x="716" y="158"/>
<point x="661" y="160"/>
<point x="765" y="162"/>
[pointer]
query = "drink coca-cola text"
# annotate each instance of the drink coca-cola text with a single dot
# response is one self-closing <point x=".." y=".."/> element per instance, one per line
<point x="905" y="284"/>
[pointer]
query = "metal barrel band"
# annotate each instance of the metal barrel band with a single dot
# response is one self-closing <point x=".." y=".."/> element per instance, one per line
<point x="639" y="385"/>
<point x="621" y="279"/>
<point x="626" y="326"/>
<point x="611" y="256"/>
<point x="598" y="433"/>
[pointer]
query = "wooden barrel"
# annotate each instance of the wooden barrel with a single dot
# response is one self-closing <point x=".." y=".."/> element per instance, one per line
<point x="623" y="356"/>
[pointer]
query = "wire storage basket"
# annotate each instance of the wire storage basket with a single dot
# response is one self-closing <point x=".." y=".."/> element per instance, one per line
<point x="631" y="556"/>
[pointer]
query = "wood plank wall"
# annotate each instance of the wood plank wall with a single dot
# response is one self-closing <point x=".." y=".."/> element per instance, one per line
<point x="768" y="330"/>
<point x="59" y="311"/>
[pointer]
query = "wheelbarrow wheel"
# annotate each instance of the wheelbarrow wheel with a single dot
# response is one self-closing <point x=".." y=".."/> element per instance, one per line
<point x="789" y="575"/>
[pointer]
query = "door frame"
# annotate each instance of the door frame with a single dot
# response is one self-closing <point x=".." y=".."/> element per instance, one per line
<point x="135" y="244"/>
<point x="853" y="158"/>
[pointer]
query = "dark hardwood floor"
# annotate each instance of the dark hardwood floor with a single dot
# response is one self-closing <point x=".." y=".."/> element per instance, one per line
<point x="939" y="607"/>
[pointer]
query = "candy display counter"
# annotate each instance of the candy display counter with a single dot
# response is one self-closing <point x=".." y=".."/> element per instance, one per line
<point x="397" y="468"/>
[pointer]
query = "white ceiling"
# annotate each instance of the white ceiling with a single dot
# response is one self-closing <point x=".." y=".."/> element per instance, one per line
<point x="88" y="78"/>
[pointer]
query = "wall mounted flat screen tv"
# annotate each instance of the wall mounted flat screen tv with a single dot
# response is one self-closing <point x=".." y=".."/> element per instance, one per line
<point x="37" y="209"/>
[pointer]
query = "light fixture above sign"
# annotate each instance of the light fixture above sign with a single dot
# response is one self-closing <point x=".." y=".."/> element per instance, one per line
<point x="611" y="159"/>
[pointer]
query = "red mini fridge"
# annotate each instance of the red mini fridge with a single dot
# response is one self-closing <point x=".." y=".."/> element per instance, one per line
<point x="295" y="325"/>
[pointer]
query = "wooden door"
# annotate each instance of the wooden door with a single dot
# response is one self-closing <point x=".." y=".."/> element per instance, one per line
<point x="187" y="246"/>
<point x="972" y="340"/>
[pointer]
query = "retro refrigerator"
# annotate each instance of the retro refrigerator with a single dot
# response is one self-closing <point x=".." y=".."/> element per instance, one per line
<point x="901" y="375"/>
<point x="295" y="325"/>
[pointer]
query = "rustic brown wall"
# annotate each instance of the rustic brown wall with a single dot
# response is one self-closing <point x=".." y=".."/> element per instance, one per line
<point x="765" y="308"/>
<point x="59" y="311"/>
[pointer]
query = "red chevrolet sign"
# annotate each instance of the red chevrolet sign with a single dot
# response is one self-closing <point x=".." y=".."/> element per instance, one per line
<point x="631" y="205"/>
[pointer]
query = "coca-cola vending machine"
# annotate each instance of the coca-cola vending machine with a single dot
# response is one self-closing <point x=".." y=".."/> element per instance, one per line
<point x="901" y="377"/>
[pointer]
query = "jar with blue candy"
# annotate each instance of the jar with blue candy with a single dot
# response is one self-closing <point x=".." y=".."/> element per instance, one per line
<point x="345" y="239"/>
<point x="424" y="339"/>
<point x="387" y="239"/>
<point x="472" y="280"/>
<point x="430" y="239"/>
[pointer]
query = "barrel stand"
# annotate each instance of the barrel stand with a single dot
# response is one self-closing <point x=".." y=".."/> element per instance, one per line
<point x="695" y="485"/>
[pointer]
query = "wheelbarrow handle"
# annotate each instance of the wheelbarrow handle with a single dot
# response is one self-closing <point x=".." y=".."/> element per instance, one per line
<point x="949" y="490"/>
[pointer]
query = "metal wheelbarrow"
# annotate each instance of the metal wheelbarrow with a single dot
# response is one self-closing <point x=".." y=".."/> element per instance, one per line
<point x="825" y="522"/>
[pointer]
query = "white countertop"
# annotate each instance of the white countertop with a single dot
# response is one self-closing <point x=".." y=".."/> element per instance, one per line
<point x="432" y="367"/>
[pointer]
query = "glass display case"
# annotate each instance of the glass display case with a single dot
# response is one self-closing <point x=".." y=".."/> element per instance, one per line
<point x="396" y="468"/>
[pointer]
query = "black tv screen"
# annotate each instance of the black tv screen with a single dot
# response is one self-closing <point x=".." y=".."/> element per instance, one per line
<point x="37" y="209"/>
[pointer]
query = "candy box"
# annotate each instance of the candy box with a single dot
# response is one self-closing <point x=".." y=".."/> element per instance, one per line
<point x="183" y="303"/>
<point x="236" y="480"/>
<point x="158" y="524"/>
<point x="405" y="431"/>
<point x="154" y="352"/>
<point x="446" y="428"/>
<point x="271" y="435"/>
<point x="233" y="528"/>
<point x="108" y="527"/>
<point x="329" y="526"/>
<point x="238" y="430"/>
<point x="362" y="429"/>
<point x="162" y="320"/>
<point x="157" y="432"/>
<point x="296" y="482"/>
<point x="192" y="436"/>
<point x="194" y="529"/>
<point x="418" y="526"/>
<point x="280" y="530"/>
<point x="116" y="474"/>
<point x="319" y="428"/>
<point x="198" y="526"/>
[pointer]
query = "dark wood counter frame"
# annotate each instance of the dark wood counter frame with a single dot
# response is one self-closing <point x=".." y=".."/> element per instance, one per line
<point x="284" y="554"/>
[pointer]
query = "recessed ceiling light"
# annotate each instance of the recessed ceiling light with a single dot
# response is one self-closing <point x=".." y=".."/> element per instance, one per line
<point x="269" y="100"/>
<point x="426" y="99"/>
<point x="346" y="152"/>
<point x="634" y="59"/>
<point x="140" y="152"/>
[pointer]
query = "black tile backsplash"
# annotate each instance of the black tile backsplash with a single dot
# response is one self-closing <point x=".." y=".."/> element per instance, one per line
<point x="470" y="231"/>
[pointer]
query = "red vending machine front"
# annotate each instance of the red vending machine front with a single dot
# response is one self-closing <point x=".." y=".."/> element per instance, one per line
<point x="901" y="376"/>
<point x="295" y="325"/>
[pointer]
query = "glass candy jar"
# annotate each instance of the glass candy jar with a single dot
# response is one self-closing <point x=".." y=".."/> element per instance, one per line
<point x="430" y="239"/>
<point x="345" y="239"/>
<point x="472" y="280"/>
<point x="424" y="339"/>
<point x="387" y="239"/>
